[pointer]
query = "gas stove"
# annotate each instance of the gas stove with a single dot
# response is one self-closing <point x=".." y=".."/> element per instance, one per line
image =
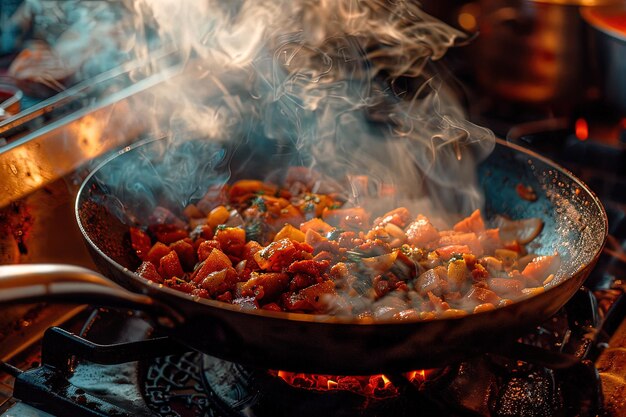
<point x="112" y="363"/>
<point x="571" y="365"/>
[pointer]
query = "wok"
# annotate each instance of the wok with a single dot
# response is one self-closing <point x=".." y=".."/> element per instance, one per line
<point x="575" y="225"/>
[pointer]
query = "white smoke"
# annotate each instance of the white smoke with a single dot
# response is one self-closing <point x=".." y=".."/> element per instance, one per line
<point x="327" y="79"/>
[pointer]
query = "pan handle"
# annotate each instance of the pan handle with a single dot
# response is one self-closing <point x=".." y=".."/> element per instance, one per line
<point x="60" y="283"/>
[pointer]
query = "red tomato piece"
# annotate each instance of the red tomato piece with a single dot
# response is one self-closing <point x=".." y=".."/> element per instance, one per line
<point x="300" y="281"/>
<point x="185" y="253"/>
<point x="206" y="247"/>
<point x="169" y="266"/>
<point x="158" y="251"/>
<point x="265" y="286"/>
<point x="216" y="261"/>
<point x="149" y="271"/>
<point x="280" y="254"/>
<point x="226" y="297"/>
<point x="200" y="292"/>
<point x="232" y="240"/>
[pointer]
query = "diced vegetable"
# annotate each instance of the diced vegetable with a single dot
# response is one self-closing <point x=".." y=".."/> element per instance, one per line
<point x="468" y="239"/>
<point x="432" y="281"/>
<point x="220" y="281"/>
<point x="149" y="271"/>
<point x="289" y="232"/>
<point x="219" y="215"/>
<point x="206" y="247"/>
<point x="479" y="295"/>
<point x="318" y="296"/>
<point x="186" y="254"/>
<point x="231" y="239"/>
<point x="484" y="307"/>
<point x="301" y="249"/>
<point x="474" y="223"/>
<point x="216" y="261"/>
<point x="540" y="268"/>
<point x="457" y="274"/>
<point x="279" y="255"/>
<point x="157" y="251"/>
<point x="398" y="217"/>
<point x="265" y="286"/>
<point x="522" y="231"/>
<point x="168" y="233"/>
<point x="316" y="224"/>
<point x="380" y="263"/>
<point x="447" y="252"/>
<point x="169" y="266"/>
<point x="421" y="232"/>
<point x="507" y="256"/>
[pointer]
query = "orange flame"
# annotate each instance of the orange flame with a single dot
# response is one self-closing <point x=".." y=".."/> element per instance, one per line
<point x="386" y="380"/>
<point x="582" y="129"/>
<point x="419" y="375"/>
<point x="373" y="386"/>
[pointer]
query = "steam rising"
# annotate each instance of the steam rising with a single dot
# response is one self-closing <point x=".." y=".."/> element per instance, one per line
<point x="346" y="87"/>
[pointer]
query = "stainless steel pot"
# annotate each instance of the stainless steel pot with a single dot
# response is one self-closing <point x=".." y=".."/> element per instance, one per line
<point x="532" y="51"/>
<point x="608" y="37"/>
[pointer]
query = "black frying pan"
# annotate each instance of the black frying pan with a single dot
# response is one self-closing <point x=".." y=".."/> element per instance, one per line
<point x="575" y="225"/>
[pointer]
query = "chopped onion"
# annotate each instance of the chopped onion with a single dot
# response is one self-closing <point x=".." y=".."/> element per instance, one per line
<point x="381" y="263"/>
<point x="523" y="231"/>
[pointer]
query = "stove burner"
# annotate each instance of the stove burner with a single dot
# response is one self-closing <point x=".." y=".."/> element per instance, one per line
<point x="239" y="391"/>
<point x="200" y="385"/>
